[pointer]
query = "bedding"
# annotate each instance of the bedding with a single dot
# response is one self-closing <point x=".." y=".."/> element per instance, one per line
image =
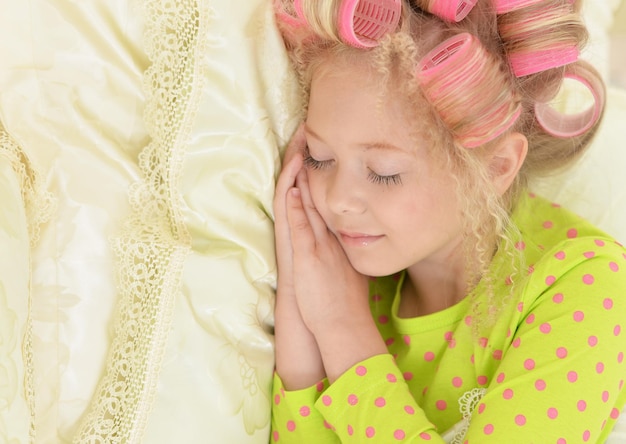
<point x="139" y="144"/>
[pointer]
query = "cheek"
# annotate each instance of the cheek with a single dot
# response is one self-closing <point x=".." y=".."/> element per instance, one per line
<point x="316" y="189"/>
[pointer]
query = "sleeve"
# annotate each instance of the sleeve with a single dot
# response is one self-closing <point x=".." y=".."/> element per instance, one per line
<point x="561" y="379"/>
<point x="372" y="402"/>
<point x="295" y="418"/>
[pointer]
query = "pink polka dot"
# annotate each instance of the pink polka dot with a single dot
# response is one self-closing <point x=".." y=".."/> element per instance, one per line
<point x="482" y="380"/>
<point x="350" y="430"/>
<point x="557" y="298"/>
<point x="560" y="255"/>
<point x="320" y="386"/>
<point x="579" y="316"/>
<point x="382" y="319"/>
<point x="520" y="420"/>
<point x="425" y="436"/>
<point x="605" y="396"/>
<point x="561" y="352"/>
<point x="353" y="399"/>
<point x="550" y="280"/>
<point x="561" y="441"/>
<point x="327" y="400"/>
<point x="391" y="377"/>
<point x="520" y="307"/>
<point x="589" y="254"/>
<point x="599" y="243"/>
<point x="468" y="320"/>
<point x="291" y="426"/>
<point x="548" y="224"/>
<point x="370" y="432"/>
<point x="620" y="357"/>
<point x="277" y="399"/>
<point x="516" y="342"/>
<point x="500" y="378"/>
<point x="410" y="410"/>
<point x="441" y="404"/>
<point x="457" y="382"/>
<point x="581" y="405"/>
<point x="529" y="364"/>
<point x="361" y="370"/>
<point x="483" y="342"/>
<point x="481" y="407"/>
<point x="545" y="328"/>
<point x="607" y="303"/>
<point x="592" y="341"/>
<point x="572" y="376"/>
<point x="572" y="233"/>
<point x="380" y="402"/>
<point x="614" y="413"/>
<point x="429" y="356"/>
<point x="617" y="330"/>
<point x="389" y="341"/>
<point x="586" y="435"/>
<point x="377" y="298"/>
<point x="472" y="359"/>
<point x="614" y="267"/>
<point x="275" y="435"/>
<point x="588" y="279"/>
<point x="540" y="385"/>
<point x="553" y="413"/>
<point x="407" y="339"/>
<point x="399" y="434"/>
<point x="520" y="245"/>
<point x="497" y="355"/>
<point x="407" y="376"/>
<point x="530" y="318"/>
<point x="305" y="411"/>
<point x="600" y="367"/>
<point x="507" y="394"/>
<point x="488" y="429"/>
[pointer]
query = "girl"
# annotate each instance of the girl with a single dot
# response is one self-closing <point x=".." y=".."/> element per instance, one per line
<point x="424" y="295"/>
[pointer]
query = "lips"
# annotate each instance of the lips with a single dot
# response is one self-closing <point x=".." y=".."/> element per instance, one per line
<point x="358" y="239"/>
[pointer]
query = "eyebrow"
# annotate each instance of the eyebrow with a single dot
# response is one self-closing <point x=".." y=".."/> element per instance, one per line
<point x="383" y="146"/>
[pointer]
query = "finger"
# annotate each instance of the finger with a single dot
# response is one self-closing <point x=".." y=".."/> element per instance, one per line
<point x="315" y="219"/>
<point x="302" y="237"/>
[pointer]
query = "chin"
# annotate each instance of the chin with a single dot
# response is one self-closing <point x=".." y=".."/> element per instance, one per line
<point x="374" y="268"/>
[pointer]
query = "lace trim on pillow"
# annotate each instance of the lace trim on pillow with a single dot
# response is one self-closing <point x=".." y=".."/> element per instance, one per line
<point x="39" y="206"/>
<point x="154" y="242"/>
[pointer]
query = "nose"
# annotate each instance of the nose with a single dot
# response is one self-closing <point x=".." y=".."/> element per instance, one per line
<point x="343" y="195"/>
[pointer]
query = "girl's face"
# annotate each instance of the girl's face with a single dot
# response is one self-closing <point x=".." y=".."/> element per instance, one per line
<point x="388" y="203"/>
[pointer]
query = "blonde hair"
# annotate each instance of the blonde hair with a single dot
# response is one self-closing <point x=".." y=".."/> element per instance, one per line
<point x="544" y="24"/>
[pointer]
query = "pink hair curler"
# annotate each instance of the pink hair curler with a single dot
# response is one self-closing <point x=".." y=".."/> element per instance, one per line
<point x="572" y="125"/>
<point x="362" y="23"/>
<point x="451" y="10"/>
<point x="504" y="6"/>
<point x="524" y="64"/>
<point x="460" y="80"/>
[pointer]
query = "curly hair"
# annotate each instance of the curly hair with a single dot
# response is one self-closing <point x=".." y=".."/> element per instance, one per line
<point x="445" y="118"/>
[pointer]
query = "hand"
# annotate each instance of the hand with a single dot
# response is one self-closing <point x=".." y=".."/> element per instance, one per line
<point x="331" y="295"/>
<point x="298" y="361"/>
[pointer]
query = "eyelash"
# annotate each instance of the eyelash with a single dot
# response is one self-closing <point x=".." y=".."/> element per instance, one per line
<point x="310" y="162"/>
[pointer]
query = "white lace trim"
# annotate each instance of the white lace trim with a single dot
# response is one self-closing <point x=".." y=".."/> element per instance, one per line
<point x="39" y="205"/>
<point x="154" y="242"/>
<point x="467" y="404"/>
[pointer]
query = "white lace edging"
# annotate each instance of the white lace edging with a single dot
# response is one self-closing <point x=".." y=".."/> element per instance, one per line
<point x="154" y="242"/>
<point x="39" y="205"/>
<point x="467" y="404"/>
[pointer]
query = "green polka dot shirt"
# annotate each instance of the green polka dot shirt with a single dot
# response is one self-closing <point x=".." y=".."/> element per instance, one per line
<point x="548" y="368"/>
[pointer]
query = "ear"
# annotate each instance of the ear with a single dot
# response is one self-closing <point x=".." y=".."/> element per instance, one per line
<point x="506" y="160"/>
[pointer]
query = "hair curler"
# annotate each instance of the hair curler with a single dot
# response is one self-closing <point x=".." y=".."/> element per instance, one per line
<point x="448" y="10"/>
<point x="473" y="97"/>
<point x="362" y="23"/>
<point x="572" y="125"/>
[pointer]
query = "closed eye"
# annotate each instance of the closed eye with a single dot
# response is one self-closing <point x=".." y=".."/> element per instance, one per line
<point x="314" y="164"/>
<point x="393" y="179"/>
